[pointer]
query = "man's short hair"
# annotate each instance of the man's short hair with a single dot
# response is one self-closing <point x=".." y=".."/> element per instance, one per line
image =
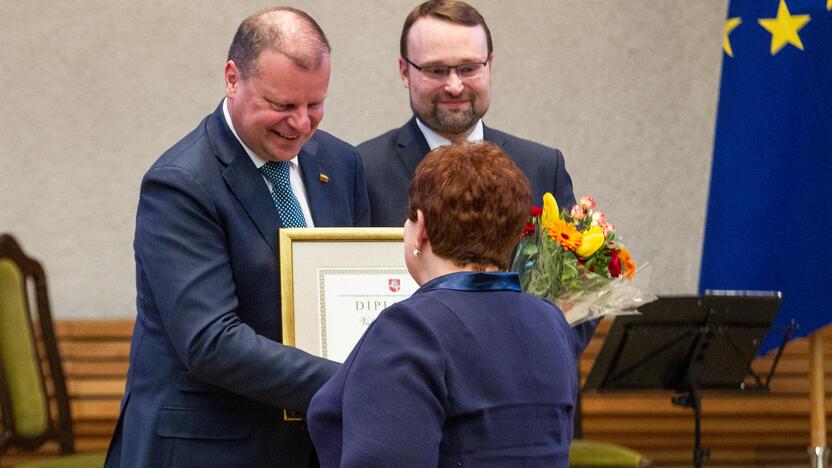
<point x="287" y="30"/>
<point x="452" y="11"/>
<point x="475" y="203"/>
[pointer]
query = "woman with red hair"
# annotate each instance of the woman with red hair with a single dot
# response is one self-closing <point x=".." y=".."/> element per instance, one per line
<point x="470" y="370"/>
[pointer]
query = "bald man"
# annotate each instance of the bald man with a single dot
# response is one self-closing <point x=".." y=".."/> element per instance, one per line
<point x="208" y="378"/>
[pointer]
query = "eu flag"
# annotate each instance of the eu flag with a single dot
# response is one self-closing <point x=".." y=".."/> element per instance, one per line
<point x="768" y="222"/>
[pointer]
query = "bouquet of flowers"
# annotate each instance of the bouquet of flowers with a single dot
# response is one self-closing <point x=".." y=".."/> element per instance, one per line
<point x="573" y="259"/>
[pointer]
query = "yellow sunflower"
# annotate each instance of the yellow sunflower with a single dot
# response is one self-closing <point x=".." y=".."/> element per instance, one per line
<point x="565" y="233"/>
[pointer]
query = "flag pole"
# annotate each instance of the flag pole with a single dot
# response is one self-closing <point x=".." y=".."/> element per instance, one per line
<point x="818" y="451"/>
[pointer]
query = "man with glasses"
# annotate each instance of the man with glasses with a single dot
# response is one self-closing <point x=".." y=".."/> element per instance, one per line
<point x="446" y="63"/>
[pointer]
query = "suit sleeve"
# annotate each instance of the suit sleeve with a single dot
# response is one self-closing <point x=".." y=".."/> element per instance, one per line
<point x="563" y="182"/>
<point x="583" y="333"/>
<point x="394" y="395"/>
<point x="182" y="250"/>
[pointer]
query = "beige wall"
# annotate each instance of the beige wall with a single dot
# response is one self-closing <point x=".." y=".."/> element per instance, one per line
<point x="93" y="91"/>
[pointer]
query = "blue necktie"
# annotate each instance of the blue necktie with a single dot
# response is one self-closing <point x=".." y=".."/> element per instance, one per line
<point x="288" y="207"/>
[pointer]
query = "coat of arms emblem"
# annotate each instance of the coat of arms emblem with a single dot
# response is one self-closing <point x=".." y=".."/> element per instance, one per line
<point x="394" y="284"/>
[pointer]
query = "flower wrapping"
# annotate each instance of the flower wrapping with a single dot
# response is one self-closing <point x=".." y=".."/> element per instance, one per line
<point x="573" y="259"/>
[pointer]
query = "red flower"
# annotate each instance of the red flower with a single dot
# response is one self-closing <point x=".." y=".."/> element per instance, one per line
<point x="536" y="210"/>
<point x="614" y="266"/>
<point x="528" y="229"/>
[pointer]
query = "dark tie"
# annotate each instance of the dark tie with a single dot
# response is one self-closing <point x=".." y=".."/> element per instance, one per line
<point x="288" y="207"/>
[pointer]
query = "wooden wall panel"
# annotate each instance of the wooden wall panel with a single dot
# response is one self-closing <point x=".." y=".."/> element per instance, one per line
<point x="752" y="429"/>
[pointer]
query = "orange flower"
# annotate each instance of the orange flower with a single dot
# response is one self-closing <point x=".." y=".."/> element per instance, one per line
<point x="629" y="266"/>
<point x="565" y="233"/>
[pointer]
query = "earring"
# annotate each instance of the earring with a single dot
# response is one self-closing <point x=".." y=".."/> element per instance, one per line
<point x="416" y="252"/>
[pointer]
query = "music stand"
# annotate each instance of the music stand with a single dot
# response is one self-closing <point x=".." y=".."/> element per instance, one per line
<point x="686" y="344"/>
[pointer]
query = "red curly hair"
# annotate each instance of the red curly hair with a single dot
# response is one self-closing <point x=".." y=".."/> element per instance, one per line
<point x="475" y="202"/>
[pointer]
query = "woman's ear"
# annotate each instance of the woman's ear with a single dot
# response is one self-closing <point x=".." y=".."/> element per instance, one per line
<point x="421" y="233"/>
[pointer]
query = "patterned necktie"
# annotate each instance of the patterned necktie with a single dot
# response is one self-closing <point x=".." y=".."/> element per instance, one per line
<point x="288" y="207"/>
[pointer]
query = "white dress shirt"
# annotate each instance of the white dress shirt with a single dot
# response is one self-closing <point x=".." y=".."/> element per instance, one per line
<point x="436" y="140"/>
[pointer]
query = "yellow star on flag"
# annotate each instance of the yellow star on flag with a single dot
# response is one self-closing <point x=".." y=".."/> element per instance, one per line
<point x="829" y="4"/>
<point x="784" y="28"/>
<point x="730" y="25"/>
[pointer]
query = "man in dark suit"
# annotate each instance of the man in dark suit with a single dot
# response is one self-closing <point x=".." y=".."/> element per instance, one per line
<point x="446" y="61"/>
<point x="209" y="378"/>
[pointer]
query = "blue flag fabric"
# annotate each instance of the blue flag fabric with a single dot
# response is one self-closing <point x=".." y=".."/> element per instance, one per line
<point x="768" y="222"/>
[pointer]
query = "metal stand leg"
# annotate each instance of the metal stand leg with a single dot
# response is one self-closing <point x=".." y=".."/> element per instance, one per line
<point x="694" y="401"/>
<point x="819" y="457"/>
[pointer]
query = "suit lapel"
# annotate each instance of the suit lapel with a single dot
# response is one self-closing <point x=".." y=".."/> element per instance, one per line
<point x="411" y="146"/>
<point x="316" y="173"/>
<point x="243" y="178"/>
<point x="490" y="135"/>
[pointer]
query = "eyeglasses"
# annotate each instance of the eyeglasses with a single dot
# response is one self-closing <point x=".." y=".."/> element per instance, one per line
<point x="441" y="72"/>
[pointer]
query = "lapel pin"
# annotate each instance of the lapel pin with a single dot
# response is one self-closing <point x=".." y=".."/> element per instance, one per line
<point x="324" y="178"/>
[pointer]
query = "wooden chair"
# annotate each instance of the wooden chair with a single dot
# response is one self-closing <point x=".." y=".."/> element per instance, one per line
<point x="34" y="403"/>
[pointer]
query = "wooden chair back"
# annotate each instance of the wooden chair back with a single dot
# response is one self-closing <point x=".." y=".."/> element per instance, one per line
<point x="34" y="404"/>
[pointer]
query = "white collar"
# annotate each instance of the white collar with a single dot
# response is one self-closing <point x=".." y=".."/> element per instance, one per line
<point x="436" y="140"/>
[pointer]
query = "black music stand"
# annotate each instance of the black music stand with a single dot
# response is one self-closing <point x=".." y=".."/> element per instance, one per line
<point x="686" y="344"/>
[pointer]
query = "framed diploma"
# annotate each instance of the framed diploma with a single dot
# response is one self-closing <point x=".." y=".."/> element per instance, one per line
<point x="335" y="282"/>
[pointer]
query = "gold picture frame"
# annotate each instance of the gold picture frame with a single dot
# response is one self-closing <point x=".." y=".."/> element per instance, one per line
<point x="305" y="252"/>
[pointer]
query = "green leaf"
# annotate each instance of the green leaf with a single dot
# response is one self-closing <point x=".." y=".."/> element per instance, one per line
<point x="529" y="250"/>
